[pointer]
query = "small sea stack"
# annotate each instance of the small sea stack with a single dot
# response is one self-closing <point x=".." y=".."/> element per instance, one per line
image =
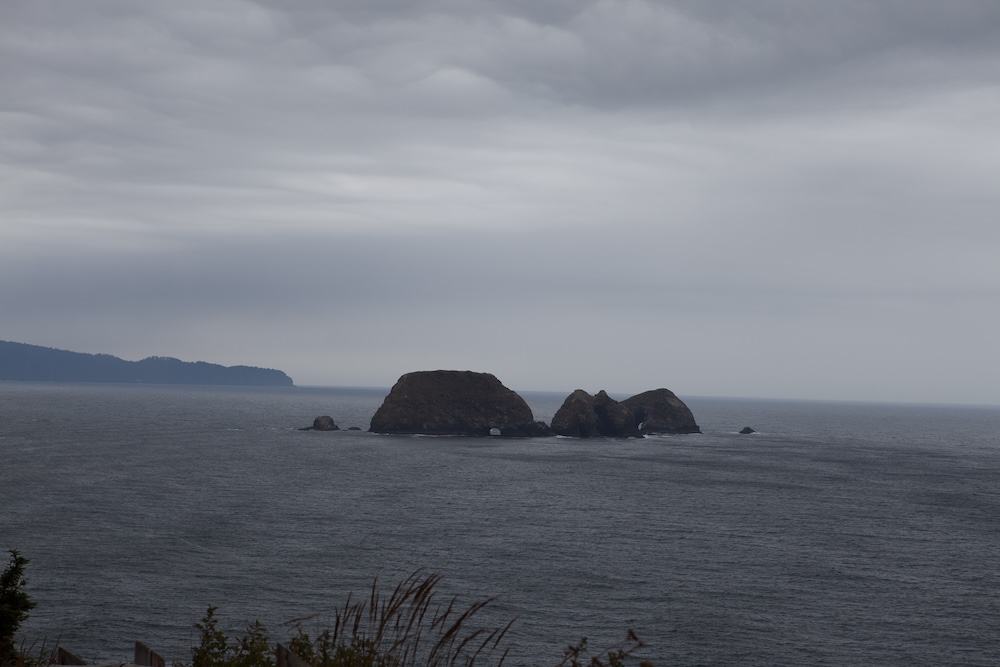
<point x="322" y="423"/>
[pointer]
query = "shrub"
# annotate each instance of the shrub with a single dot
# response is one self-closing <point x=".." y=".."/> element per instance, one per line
<point x="215" y="649"/>
<point x="15" y="603"/>
<point x="616" y="656"/>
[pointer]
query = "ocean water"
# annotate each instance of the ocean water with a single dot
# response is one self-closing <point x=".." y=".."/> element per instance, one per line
<point x="839" y="534"/>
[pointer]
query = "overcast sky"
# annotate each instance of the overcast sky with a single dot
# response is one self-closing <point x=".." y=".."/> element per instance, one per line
<point x="762" y="198"/>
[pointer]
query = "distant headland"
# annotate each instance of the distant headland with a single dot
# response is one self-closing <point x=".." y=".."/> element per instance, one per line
<point x="33" y="363"/>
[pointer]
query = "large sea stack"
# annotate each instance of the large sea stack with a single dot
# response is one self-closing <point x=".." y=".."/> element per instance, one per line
<point x="455" y="403"/>
<point x="584" y="416"/>
<point x="660" y="411"/>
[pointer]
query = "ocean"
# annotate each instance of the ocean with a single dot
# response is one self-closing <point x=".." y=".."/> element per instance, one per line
<point x="838" y="534"/>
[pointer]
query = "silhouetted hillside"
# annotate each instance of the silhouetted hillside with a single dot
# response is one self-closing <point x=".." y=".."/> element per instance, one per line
<point x="19" y="361"/>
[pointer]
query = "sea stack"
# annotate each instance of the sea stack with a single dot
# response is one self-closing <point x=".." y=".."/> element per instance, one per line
<point x="660" y="411"/>
<point x="584" y="416"/>
<point x="455" y="403"/>
<point x="653" y="412"/>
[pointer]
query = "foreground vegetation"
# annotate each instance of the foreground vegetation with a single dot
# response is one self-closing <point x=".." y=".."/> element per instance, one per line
<point x="15" y="604"/>
<point x="409" y="628"/>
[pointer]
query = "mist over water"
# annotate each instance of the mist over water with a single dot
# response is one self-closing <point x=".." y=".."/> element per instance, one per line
<point x="838" y="534"/>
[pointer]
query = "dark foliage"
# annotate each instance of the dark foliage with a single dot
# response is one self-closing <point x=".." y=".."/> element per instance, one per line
<point x="15" y="603"/>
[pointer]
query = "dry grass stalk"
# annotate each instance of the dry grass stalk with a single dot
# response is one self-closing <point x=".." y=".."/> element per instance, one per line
<point x="407" y="629"/>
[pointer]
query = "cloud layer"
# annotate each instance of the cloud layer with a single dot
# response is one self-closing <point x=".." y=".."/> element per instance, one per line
<point x="765" y="198"/>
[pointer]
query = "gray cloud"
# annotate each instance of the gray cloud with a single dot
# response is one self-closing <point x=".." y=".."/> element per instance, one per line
<point x="757" y="198"/>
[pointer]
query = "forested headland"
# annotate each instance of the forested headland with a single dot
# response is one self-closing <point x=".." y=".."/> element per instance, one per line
<point x="34" y="363"/>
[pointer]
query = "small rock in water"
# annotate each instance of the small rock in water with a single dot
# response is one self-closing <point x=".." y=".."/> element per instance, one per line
<point x="324" y="423"/>
<point x="746" y="430"/>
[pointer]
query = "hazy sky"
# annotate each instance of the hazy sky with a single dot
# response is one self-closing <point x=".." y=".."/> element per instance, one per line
<point x="774" y="198"/>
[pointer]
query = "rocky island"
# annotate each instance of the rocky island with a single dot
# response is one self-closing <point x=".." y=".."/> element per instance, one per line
<point x="478" y="404"/>
<point x="584" y="416"/>
<point x="455" y="403"/>
<point x="660" y="411"/>
<point x="650" y="413"/>
<point x="322" y="423"/>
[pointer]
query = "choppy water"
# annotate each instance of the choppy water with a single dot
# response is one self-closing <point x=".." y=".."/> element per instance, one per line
<point x="840" y="534"/>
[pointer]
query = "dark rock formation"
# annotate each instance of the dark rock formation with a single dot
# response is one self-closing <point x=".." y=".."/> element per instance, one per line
<point x="324" y="423"/>
<point x="657" y="411"/>
<point x="660" y="411"/>
<point x="454" y="403"/>
<point x="584" y="416"/>
<point x="747" y="430"/>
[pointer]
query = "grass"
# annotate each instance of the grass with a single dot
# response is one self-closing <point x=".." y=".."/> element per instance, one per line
<point x="36" y="654"/>
<point x="410" y="627"/>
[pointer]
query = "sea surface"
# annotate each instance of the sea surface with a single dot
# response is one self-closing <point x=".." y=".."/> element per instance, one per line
<point x="838" y="534"/>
